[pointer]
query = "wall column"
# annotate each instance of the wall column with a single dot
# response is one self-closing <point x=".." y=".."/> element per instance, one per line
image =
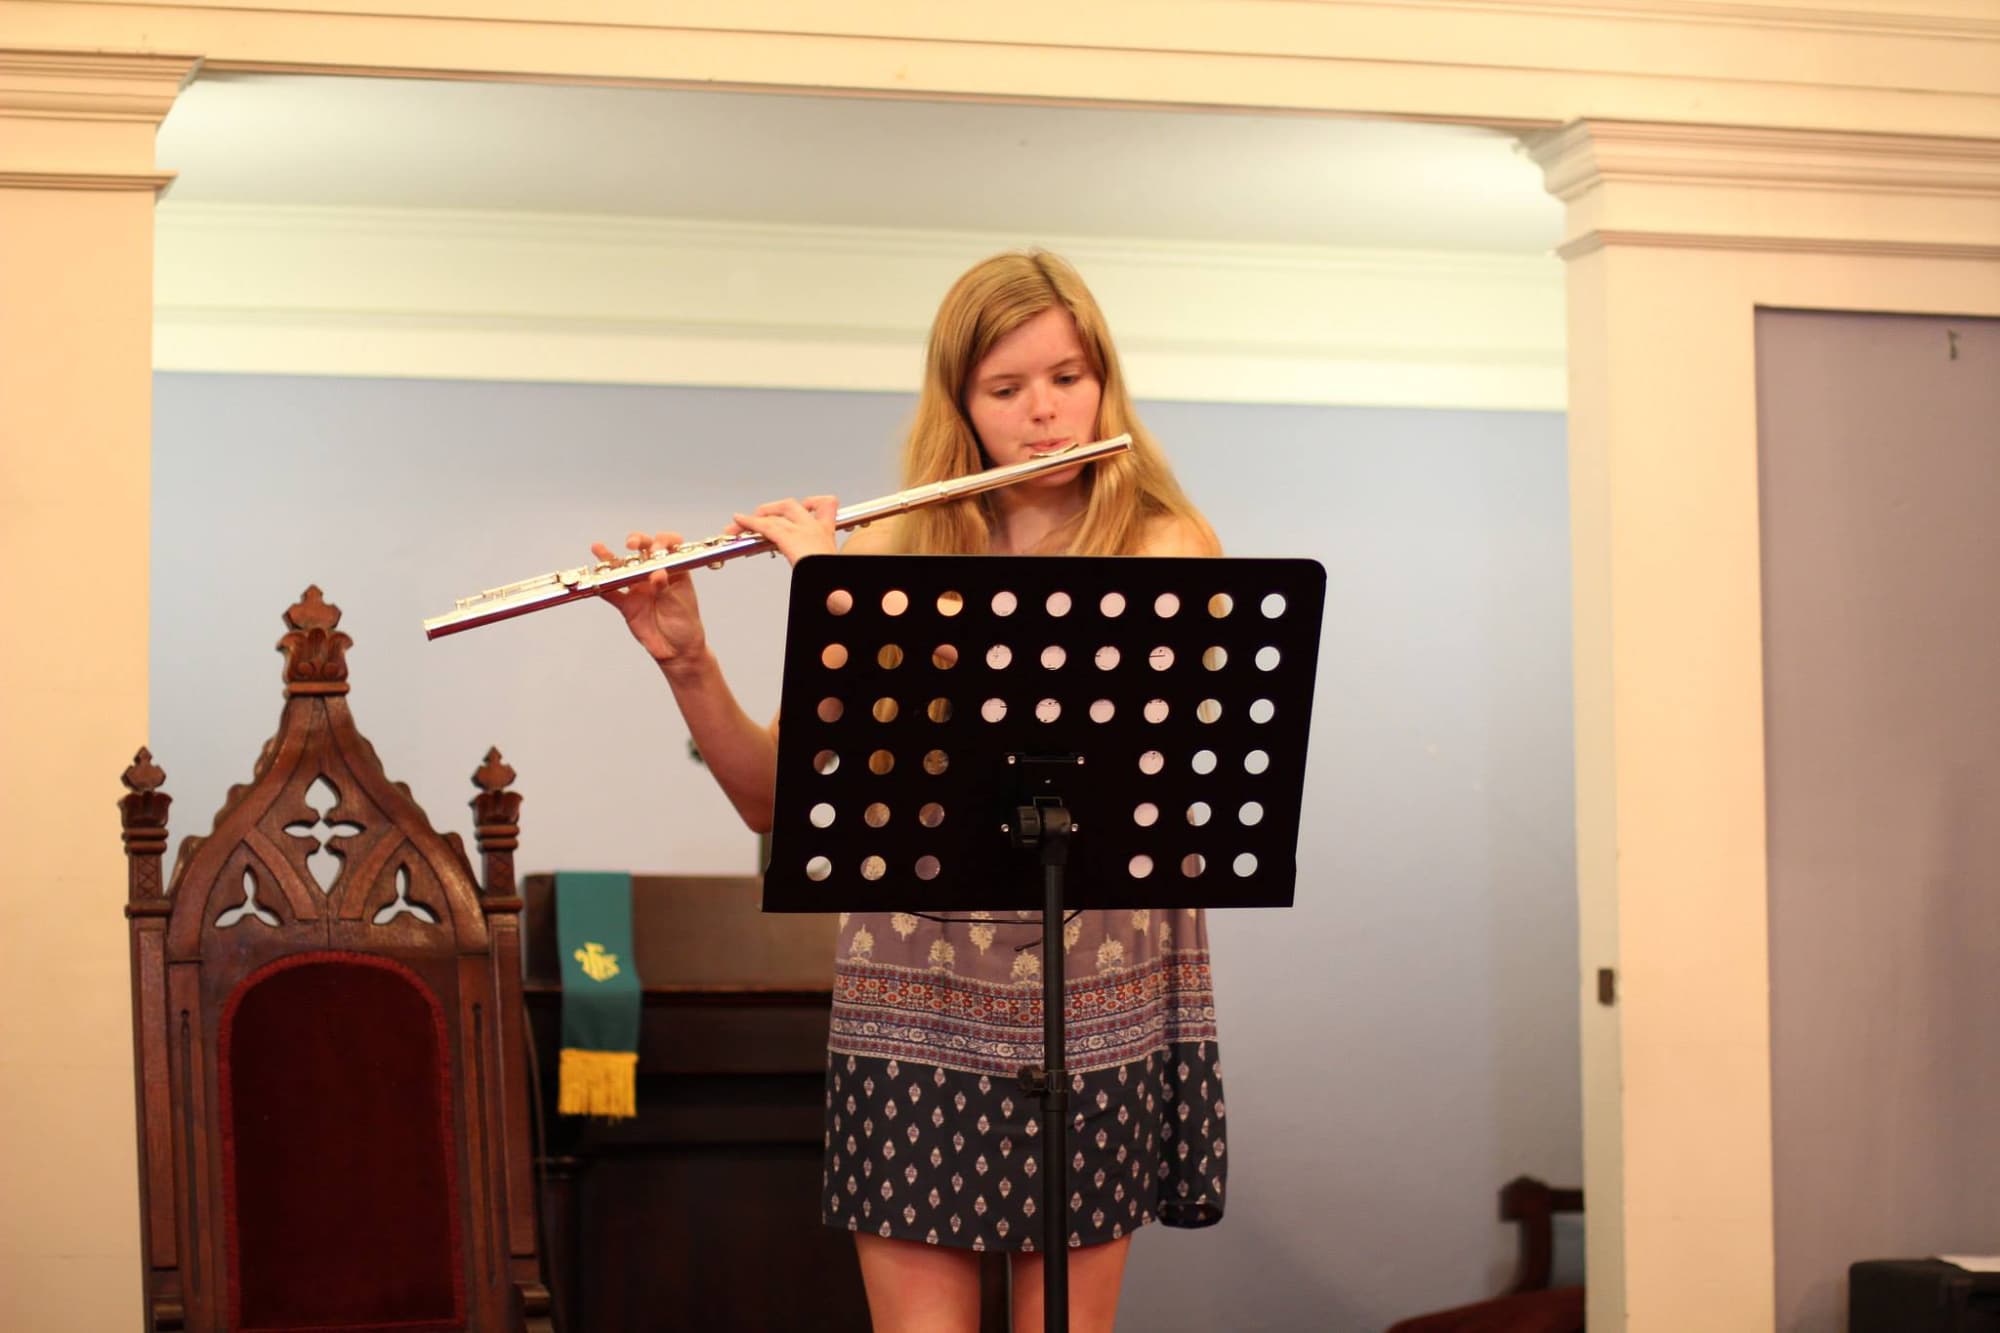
<point x="77" y="187"/>
<point x="1676" y="234"/>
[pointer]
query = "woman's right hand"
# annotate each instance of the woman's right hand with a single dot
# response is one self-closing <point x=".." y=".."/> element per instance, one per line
<point x="660" y="609"/>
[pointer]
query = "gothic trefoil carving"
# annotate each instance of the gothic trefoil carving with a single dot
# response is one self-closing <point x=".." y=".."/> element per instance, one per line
<point x="321" y="845"/>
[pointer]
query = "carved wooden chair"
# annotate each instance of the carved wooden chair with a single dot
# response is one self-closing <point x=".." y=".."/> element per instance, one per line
<point x="333" y="1111"/>
<point x="1531" y="1304"/>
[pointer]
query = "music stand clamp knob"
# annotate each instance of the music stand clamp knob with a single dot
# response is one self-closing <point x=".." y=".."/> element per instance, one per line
<point x="1035" y="1082"/>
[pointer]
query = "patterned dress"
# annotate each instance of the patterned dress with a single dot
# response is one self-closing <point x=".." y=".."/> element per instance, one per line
<point x="929" y="1134"/>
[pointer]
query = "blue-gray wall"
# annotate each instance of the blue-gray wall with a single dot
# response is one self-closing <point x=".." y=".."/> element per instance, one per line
<point x="1397" y="1045"/>
<point x="1881" y="488"/>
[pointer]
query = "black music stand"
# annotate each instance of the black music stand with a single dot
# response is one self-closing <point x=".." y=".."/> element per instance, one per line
<point x="962" y="733"/>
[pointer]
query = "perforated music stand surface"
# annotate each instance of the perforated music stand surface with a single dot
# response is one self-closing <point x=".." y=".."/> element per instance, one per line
<point x="904" y="696"/>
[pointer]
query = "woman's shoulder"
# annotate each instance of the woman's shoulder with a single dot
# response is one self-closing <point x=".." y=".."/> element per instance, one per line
<point x="1178" y="534"/>
<point x="875" y="539"/>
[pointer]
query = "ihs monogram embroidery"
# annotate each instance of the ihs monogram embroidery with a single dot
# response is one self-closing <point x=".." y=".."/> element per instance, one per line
<point x="595" y="962"/>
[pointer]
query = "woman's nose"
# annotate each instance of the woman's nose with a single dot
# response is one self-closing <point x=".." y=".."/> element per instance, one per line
<point x="1042" y="400"/>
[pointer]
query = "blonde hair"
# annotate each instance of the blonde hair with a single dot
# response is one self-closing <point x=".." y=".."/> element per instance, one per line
<point x="1122" y="495"/>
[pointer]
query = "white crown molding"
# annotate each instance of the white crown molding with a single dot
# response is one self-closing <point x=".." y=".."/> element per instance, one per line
<point x="85" y="85"/>
<point x="150" y="181"/>
<point x="1894" y="64"/>
<point x="1723" y="187"/>
<point x="620" y="300"/>
<point x="85" y="120"/>
<point x="1580" y="156"/>
<point x="1594" y="241"/>
<point x="1961" y="22"/>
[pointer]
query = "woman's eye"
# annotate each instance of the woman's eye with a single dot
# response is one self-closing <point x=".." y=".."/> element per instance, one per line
<point x="1070" y="378"/>
<point x="1003" y="393"/>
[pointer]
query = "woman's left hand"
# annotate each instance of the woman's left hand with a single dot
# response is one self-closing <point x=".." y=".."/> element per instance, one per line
<point x="798" y="528"/>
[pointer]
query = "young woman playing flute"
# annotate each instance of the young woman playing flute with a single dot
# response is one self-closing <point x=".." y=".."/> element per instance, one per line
<point x="1020" y="363"/>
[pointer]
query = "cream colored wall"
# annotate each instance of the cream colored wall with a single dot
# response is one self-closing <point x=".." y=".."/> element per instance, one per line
<point x="1679" y="227"/>
<point x="76" y="229"/>
<point x="1677" y="238"/>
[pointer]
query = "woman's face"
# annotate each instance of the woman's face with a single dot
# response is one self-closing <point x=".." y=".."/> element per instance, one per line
<point x="1035" y="392"/>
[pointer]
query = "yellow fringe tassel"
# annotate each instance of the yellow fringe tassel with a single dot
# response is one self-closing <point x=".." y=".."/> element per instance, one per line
<point x="600" y="1083"/>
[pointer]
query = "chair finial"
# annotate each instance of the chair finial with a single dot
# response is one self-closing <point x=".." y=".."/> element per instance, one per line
<point x="494" y="775"/>
<point x="315" y="650"/>
<point x="144" y="775"/>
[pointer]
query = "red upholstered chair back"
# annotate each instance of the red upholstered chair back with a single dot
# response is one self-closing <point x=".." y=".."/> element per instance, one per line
<point x="333" y="1111"/>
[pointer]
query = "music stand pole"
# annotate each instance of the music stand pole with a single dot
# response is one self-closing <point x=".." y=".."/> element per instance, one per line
<point x="1044" y="824"/>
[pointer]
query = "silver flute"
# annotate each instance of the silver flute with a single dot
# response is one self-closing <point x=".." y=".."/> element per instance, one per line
<point x="569" y="585"/>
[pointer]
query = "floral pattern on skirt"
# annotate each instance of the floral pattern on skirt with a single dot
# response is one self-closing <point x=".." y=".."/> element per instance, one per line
<point x="929" y="1134"/>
